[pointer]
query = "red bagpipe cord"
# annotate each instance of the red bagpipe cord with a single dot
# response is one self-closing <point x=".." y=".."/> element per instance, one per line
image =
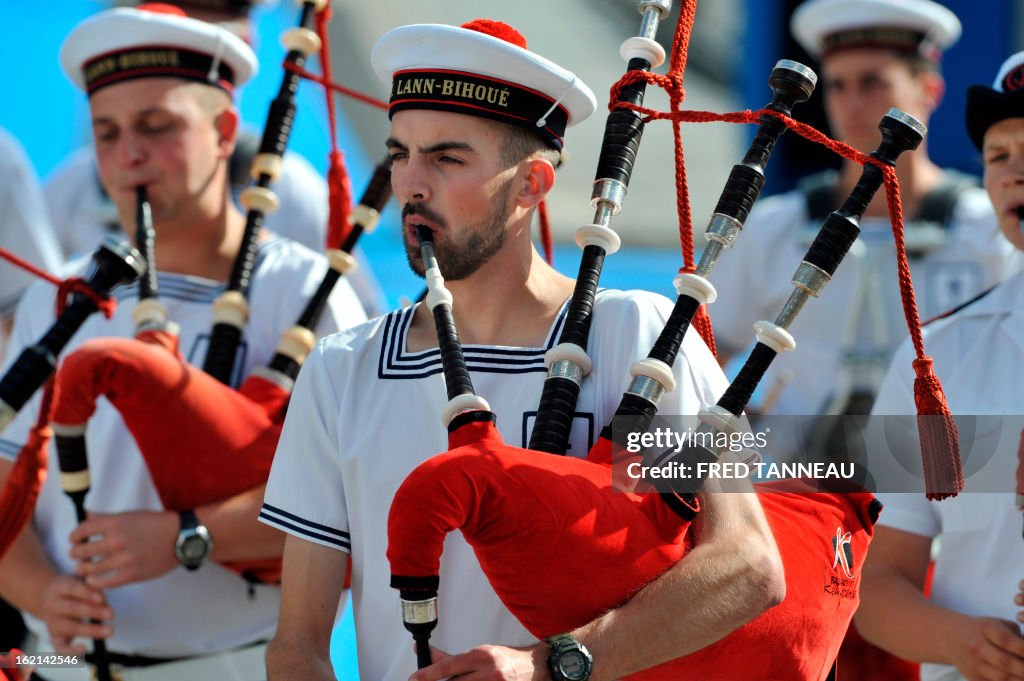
<point x="545" y="232"/>
<point x="672" y="83"/>
<point x="339" y="185"/>
<point x="940" y="448"/>
<point x="26" y="477"/>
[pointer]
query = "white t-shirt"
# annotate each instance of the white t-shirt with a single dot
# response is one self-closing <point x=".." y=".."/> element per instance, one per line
<point x="180" y="613"/>
<point x="978" y="352"/>
<point x="25" y="228"/>
<point x="82" y="214"/>
<point x="366" y="411"/>
<point x="860" y="307"/>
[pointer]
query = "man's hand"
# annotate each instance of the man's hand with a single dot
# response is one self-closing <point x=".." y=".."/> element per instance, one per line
<point x="117" y="549"/>
<point x="488" y="663"/>
<point x="1019" y="600"/>
<point x="989" y="650"/>
<point x="68" y="605"/>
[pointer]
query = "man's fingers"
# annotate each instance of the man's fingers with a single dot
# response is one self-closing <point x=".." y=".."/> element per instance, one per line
<point x="75" y="589"/>
<point x="89" y="550"/>
<point x="71" y="598"/>
<point x="986" y="672"/>
<point x="110" y="579"/>
<point x="74" y="609"/>
<point x="438" y="668"/>
<point x="64" y="646"/>
<point x="998" y="653"/>
<point x="484" y="662"/>
<point x="111" y="571"/>
<point x="68" y="629"/>
<point x="93" y="524"/>
<point x="84" y="611"/>
<point x="1005" y="636"/>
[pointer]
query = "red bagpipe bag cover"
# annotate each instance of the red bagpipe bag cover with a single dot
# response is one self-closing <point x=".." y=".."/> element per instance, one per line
<point x="560" y="546"/>
<point x="202" y="440"/>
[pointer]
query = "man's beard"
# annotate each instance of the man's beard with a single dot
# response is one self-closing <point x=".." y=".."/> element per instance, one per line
<point x="459" y="260"/>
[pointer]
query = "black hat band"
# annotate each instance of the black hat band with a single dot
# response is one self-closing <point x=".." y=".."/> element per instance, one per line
<point x="153" y="61"/>
<point x="894" y="38"/>
<point x="476" y="95"/>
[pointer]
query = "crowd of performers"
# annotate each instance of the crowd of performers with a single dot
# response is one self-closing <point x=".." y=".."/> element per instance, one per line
<point x="211" y="433"/>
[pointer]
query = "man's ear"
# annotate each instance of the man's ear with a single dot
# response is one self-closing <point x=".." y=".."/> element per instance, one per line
<point x="538" y="180"/>
<point x="934" y="87"/>
<point x="226" y="124"/>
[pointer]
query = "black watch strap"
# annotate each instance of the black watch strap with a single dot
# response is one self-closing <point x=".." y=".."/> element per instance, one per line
<point x="187" y="519"/>
<point x="193" y="543"/>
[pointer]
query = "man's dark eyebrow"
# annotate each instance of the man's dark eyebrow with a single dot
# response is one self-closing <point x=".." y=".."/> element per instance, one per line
<point x="446" y="146"/>
<point x="392" y="143"/>
<point x="140" y="114"/>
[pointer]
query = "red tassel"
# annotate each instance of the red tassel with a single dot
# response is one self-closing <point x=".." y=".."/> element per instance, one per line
<point x="545" y="233"/>
<point x="940" y="446"/>
<point x="26" y="478"/>
<point x="339" y="199"/>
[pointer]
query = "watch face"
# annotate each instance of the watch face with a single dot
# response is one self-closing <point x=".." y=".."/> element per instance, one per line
<point x="573" y="665"/>
<point x="193" y="548"/>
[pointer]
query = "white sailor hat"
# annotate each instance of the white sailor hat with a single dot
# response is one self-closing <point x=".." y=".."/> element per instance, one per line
<point x="917" y="26"/>
<point x="154" y="40"/>
<point x="481" y="68"/>
<point x="987" y="106"/>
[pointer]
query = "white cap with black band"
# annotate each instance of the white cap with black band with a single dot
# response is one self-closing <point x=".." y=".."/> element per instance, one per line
<point x="823" y="27"/>
<point x="154" y="40"/>
<point x="481" y="68"/>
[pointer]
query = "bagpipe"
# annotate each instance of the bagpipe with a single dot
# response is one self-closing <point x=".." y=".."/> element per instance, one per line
<point x="114" y="263"/>
<point x="571" y="510"/>
<point x="203" y="440"/>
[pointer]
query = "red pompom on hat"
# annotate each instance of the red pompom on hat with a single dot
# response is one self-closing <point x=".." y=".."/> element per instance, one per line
<point x="162" y="8"/>
<point x="499" y="30"/>
<point x="480" y="69"/>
